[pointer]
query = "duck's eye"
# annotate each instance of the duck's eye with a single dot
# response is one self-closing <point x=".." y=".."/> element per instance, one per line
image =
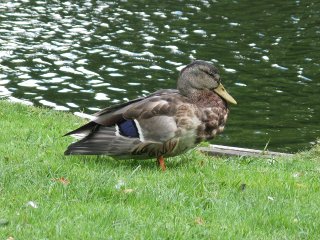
<point x="215" y="76"/>
<point x="210" y="73"/>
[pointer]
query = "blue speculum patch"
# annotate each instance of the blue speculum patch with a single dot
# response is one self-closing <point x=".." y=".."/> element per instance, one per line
<point x="128" y="128"/>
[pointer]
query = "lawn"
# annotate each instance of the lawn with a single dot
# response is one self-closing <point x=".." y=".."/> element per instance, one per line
<point x="46" y="195"/>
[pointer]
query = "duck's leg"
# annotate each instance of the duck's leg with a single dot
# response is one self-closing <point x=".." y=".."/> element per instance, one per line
<point x="161" y="163"/>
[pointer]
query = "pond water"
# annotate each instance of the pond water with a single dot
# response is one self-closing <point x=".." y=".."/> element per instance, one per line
<point x="86" y="55"/>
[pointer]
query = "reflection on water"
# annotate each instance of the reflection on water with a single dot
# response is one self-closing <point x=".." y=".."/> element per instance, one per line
<point x="86" y="55"/>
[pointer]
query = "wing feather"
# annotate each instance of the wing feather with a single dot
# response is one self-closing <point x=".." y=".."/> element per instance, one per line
<point x="155" y="120"/>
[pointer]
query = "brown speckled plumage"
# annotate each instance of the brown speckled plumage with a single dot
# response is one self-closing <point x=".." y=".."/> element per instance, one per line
<point x="212" y="112"/>
<point x="165" y="123"/>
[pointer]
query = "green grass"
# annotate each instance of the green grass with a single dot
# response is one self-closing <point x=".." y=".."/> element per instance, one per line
<point x="198" y="197"/>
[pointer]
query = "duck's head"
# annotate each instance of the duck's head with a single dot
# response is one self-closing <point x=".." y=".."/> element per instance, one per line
<point x="201" y="75"/>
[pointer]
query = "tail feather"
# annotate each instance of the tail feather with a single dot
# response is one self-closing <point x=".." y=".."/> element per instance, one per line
<point x="85" y="129"/>
<point x="103" y="142"/>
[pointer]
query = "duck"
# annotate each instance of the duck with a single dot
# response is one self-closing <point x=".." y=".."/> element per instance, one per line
<point x="163" y="124"/>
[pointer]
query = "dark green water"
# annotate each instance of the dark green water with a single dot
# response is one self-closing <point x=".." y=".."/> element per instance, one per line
<point x="86" y="55"/>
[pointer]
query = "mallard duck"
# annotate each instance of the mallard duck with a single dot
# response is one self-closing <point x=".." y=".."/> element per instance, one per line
<point x="166" y="123"/>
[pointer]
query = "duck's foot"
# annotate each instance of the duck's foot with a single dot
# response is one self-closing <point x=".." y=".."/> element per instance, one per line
<point x="161" y="163"/>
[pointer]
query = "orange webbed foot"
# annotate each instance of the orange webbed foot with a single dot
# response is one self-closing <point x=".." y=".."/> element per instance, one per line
<point x="161" y="163"/>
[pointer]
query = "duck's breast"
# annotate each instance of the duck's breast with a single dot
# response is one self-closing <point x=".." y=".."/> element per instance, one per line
<point x="212" y="114"/>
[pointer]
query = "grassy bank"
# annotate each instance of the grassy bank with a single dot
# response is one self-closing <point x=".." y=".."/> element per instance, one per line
<point x="45" y="195"/>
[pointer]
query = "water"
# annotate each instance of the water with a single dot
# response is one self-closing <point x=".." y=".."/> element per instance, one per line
<point x="86" y="55"/>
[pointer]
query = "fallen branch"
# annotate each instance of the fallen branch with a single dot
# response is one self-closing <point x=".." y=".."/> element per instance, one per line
<point x="235" y="151"/>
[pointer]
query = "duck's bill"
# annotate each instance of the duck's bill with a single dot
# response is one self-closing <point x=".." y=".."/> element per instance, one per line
<point x="224" y="94"/>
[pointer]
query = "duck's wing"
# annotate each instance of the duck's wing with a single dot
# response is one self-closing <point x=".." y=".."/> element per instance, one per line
<point x="135" y="127"/>
<point x="111" y="115"/>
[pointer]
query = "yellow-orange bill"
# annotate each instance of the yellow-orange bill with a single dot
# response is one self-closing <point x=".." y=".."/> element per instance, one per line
<point x="224" y="94"/>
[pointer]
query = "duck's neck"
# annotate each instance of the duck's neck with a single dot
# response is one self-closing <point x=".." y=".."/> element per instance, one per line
<point x="207" y="98"/>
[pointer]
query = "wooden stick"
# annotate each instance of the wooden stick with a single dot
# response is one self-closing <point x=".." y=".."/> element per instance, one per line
<point x="235" y="151"/>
